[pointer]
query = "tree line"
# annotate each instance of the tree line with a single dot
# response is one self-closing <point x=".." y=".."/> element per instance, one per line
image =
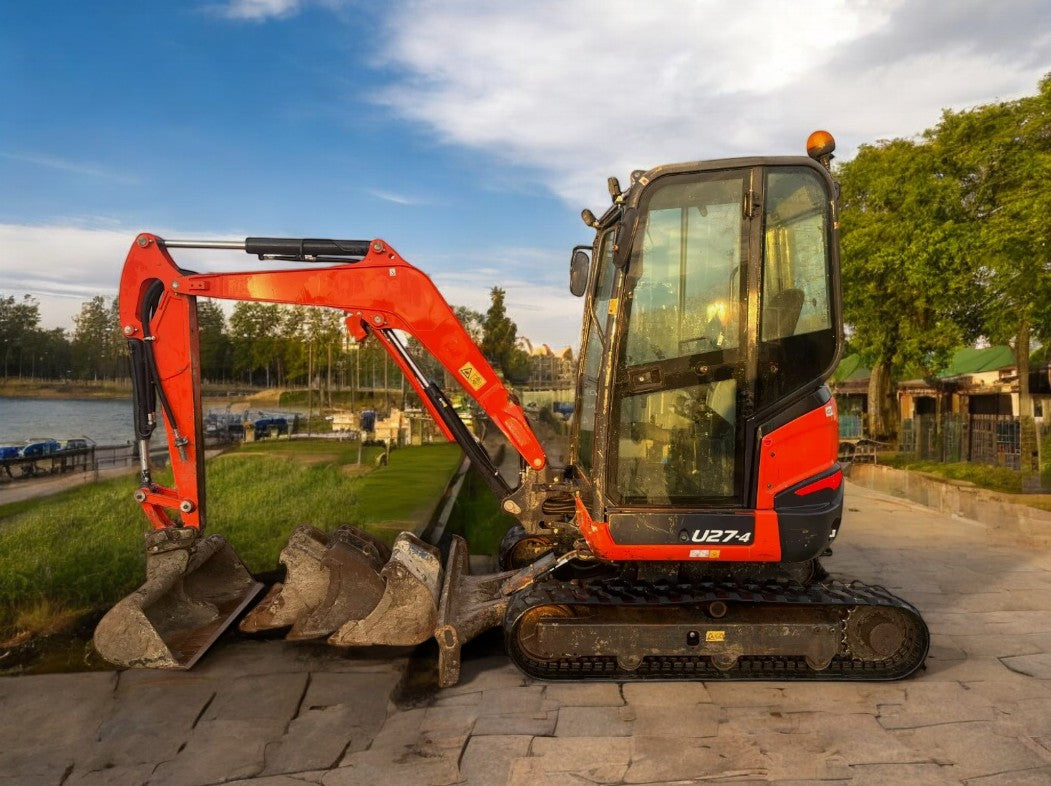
<point x="94" y="349"/>
<point x="259" y="344"/>
<point x="946" y="240"/>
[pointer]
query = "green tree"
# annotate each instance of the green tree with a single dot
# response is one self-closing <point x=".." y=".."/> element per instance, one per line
<point x="499" y="337"/>
<point x="321" y="332"/>
<point x="216" y="360"/>
<point x="998" y="157"/>
<point x="98" y="346"/>
<point x="254" y="338"/>
<point x="56" y="353"/>
<point x="909" y="292"/>
<point x="19" y="327"/>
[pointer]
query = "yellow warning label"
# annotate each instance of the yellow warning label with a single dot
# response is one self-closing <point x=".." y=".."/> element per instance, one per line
<point x="715" y="635"/>
<point x="613" y="305"/>
<point x="471" y="376"/>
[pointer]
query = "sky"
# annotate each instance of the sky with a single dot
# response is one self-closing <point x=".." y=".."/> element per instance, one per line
<point x="468" y="134"/>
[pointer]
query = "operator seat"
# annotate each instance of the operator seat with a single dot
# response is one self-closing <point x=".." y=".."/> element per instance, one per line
<point x="781" y="313"/>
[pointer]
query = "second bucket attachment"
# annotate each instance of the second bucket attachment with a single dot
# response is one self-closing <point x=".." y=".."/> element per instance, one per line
<point x="328" y="580"/>
<point x="353" y="589"/>
<point x="407" y="612"/>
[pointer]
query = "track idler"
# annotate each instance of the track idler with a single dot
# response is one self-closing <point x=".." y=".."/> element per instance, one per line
<point x="195" y="587"/>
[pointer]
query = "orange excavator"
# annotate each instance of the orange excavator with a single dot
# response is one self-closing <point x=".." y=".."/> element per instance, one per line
<point x="681" y="540"/>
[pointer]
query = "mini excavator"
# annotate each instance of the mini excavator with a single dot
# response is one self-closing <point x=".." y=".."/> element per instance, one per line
<point x="681" y="540"/>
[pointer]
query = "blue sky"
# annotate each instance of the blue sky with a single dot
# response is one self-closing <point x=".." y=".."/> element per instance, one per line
<point x="468" y="134"/>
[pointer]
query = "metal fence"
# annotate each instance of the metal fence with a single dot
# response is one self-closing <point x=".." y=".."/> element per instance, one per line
<point x="90" y="459"/>
<point x="850" y="427"/>
<point x="995" y="440"/>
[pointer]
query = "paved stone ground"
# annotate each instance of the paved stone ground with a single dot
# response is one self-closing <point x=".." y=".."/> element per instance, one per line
<point x="271" y="713"/>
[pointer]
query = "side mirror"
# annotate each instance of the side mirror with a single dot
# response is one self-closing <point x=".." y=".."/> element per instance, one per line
<point x="579" y="265"/>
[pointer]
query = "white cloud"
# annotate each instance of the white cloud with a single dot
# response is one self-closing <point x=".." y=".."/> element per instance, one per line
<point x="397" y="199"/>
<point x="263" y="10"/>
<point x="65" y="264"/>
<point x="258" y="10"/>
<point x="580" y="90"/>
<point x="61" y="262"/>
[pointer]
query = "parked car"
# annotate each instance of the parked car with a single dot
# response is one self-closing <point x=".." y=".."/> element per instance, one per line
<point x="9" y="451"/>
<point x="265" y="427"/>
<point x="76" y="444"/>
<point x="40" y="447"/>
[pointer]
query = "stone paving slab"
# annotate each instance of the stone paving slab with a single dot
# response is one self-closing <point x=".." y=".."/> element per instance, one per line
<point x="272" y="713"/>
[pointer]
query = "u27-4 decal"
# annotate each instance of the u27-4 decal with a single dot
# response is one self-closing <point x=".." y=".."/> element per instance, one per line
<point x="725" y="536"/>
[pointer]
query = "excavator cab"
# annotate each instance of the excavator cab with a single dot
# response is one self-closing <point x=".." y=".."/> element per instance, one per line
<point x="711" y="315"/>
<point x="704" y="450"/>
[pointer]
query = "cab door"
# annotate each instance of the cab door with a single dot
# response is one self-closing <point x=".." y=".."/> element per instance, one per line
<point x="685" y="377"/>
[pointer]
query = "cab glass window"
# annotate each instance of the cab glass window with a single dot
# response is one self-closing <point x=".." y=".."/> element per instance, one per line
<point x="686" y="299"/>
<point x="797" y="339"/>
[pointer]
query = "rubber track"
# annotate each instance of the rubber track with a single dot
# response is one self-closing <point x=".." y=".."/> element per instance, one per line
<point x="617" y="592"/>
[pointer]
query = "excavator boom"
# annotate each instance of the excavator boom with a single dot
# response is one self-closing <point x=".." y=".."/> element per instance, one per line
<point x="196" y="586"/>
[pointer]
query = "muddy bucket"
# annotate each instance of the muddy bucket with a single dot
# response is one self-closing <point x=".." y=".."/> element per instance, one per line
<point x="406" y="613"/>
<point x="329" y="579"/>
<point x="195" y="587"/>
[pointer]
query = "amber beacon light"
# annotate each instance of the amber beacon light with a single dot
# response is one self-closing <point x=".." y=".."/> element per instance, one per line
<point x="819" y="146"/>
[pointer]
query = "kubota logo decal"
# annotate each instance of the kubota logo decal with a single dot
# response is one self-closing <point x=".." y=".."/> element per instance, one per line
<point x="471" y="375"/>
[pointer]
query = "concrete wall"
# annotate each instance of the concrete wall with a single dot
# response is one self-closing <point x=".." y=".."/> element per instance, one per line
<point x="960" y="499"/>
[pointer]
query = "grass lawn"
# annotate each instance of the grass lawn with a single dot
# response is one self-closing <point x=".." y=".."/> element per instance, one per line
<point x="993" y="478"/>
<point x="83" y="549"/>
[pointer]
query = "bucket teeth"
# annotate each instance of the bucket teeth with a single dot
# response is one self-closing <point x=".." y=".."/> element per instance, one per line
<point x="195" y="587"/>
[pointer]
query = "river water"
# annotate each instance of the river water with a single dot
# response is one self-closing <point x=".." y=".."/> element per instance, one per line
<point x="106" y="422"/>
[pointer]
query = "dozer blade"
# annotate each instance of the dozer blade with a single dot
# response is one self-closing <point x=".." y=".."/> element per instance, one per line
<point x="195" y="587"/>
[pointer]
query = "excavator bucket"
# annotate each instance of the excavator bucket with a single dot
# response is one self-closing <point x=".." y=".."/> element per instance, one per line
<point x="328" y="580"/>
<point x="353" y="589"/>
<point x="195" y="587"/>
<point x="407" y="612"/>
